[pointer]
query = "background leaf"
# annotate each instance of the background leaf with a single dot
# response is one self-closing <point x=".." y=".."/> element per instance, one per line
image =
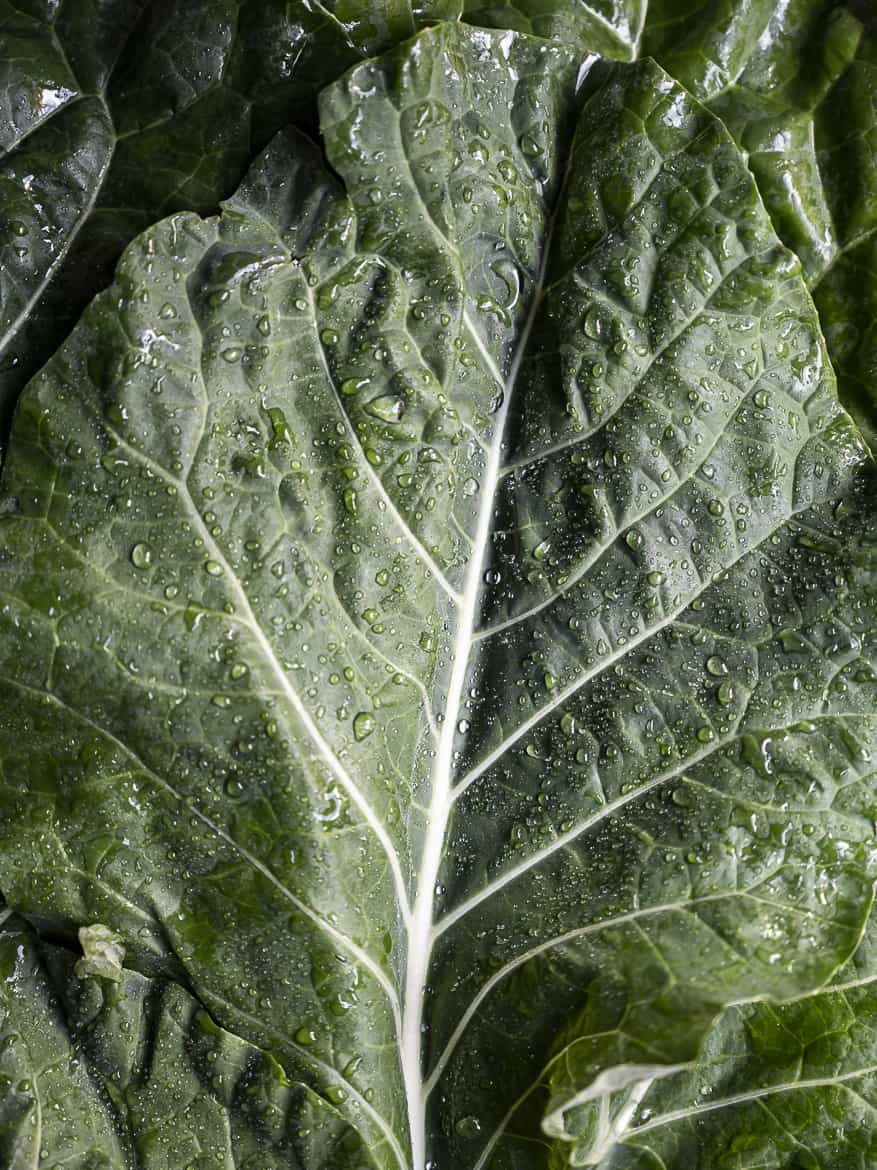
<point x="115" y="113"/>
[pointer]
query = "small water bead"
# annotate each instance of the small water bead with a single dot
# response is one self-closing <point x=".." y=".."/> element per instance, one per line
<point x="232" y="354"/>
<point x="142" y="555"/>
<point x="353" y="385"/>
<point x="634" y="539"/>
<point x="463" y="726"/>
<point x="725" y="693"/>
<point x="387" y="407"/>
<point x="363" y="725"/>
<point x="542" y="549"/>
<point x="716" y="508"/>
<point x="716" y="666"/>
<point x="213" y="568"/>
<point x="492" y="577"/>
<point x="468" y="1127"/>
<point x="656" y="577"/>
<point x="706" y="735"/>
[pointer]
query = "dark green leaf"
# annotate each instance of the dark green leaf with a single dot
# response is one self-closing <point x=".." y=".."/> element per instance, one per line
<point x="100" y="1074"/>
<point x="436" y="608"/>
<point x="114" y="113"/>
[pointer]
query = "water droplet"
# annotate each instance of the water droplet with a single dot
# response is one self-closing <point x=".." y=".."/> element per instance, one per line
<point x="725" y="693"/>
<point x="593" y="324"/>
<point x="363" y="725"/>
<point x="634" y="539"/>
<point x="716" y="508"/>
<point x="540" y="552"/>
<point x="213" y="568"/>
<point x="716" y="666"/>
<point x="142" y="555"/>
<point x="232" y="354"/>
<point x="468" y="1127"/>
<point x="354" y="385"/>
<point x="387" y="407"/>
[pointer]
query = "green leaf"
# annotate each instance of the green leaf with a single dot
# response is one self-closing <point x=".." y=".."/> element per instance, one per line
<point x="432" y="602"/>
<point x="789" y="1085"/>
<point x="796" y="86"/>
<point x="612" y="28"/>
<point x="98" y="1075"/>
<point x="114" y="113"/>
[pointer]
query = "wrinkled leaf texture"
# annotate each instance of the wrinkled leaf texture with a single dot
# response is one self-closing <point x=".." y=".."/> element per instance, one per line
<point x="116" y="112"/>
<point x="438" y="605"/>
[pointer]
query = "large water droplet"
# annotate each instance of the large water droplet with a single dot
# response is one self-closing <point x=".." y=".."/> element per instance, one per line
<point x="142" y="555"/>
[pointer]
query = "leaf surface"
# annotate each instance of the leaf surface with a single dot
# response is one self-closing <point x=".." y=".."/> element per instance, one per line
<point x="430" y="601"/>
<point x="133" y="1072"/>
<point x="795" y="85"/>
<point x="114" y="113"/>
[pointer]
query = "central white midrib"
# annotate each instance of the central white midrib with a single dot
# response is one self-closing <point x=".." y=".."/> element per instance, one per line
<point x="421" y="930"/>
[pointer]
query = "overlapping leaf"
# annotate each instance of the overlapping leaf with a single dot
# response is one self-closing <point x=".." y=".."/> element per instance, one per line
<point x="132" y="1071"/>
<point x="434" y="607"/>
<point x="114" y="113"/>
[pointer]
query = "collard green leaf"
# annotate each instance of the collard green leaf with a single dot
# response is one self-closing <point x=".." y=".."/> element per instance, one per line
<point x="114" y="113"/>
<point x="612" y="28"/>
<point x="785" y="1086"/>
<point x="432" y="603"/>
<point x="104" y="1074"/>
<point x="795" y="85"/>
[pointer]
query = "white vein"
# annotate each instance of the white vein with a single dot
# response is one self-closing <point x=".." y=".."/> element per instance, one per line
<point x="580" y="681"/>
<point x="327" y="1070"/>
<point x="600" y="550"/>
<point x="551" y="944"/>
<point x="421" y="935"/>
<point x="249" y="620"/>
<point x="753" y="1095"/>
